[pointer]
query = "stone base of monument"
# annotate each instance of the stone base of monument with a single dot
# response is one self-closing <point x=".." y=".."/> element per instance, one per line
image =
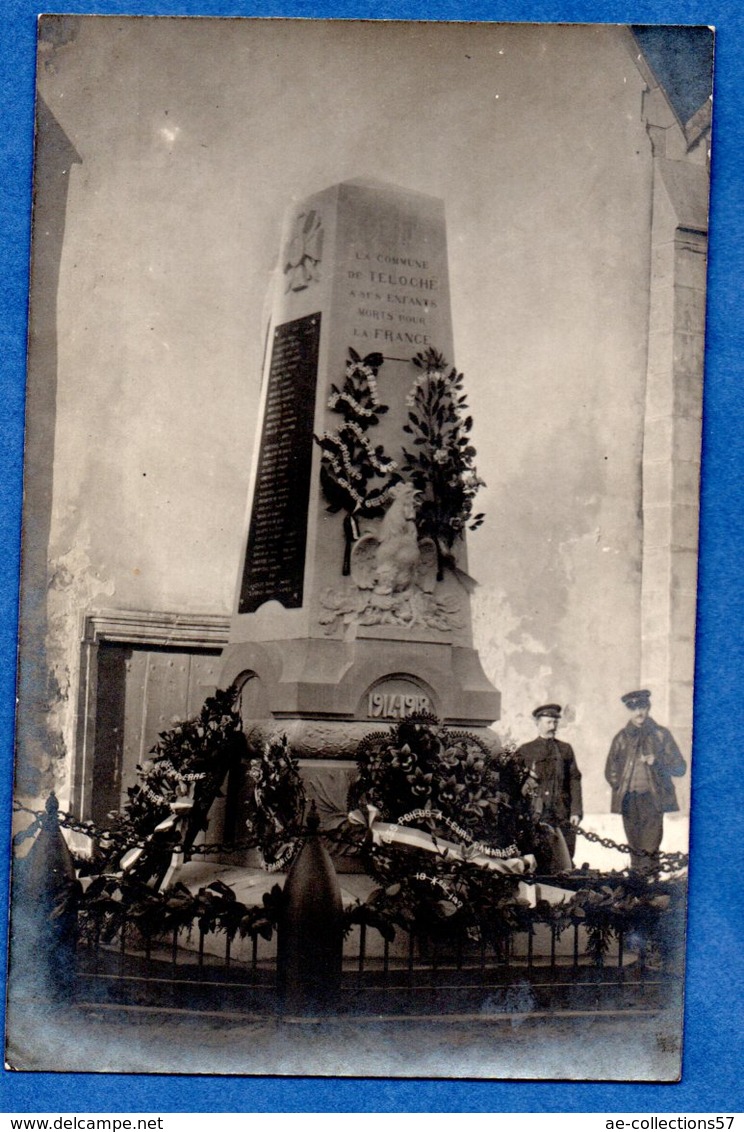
<point x="326" y="695"/>
<point x="314" y="741"/>
<point x="327" y="783"/>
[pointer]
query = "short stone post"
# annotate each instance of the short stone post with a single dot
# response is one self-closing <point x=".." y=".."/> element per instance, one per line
<point x="310" y="940"/>
<point x="50" y="895"/>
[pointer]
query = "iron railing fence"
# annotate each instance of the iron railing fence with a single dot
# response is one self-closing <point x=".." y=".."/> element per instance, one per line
<point x="539" y="969"/>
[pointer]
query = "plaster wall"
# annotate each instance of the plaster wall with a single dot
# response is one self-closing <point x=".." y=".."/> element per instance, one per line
<point x="193" y="136"/>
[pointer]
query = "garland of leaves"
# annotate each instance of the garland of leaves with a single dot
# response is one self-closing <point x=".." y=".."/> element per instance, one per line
<point x="441" y="465"/>
<point x="112" y="904"/>
<point x="481" y="909"/>
<point x="356" y="476"/>
<point x="649" y="915"/>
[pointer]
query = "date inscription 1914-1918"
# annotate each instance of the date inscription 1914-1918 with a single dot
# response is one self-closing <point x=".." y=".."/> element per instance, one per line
<point x="392" y="705"/>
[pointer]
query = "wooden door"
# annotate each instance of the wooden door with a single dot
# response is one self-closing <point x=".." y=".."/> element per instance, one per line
<point x="142" y="691"/>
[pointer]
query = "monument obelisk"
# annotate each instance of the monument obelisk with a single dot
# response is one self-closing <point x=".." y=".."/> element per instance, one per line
<point x="328" y="654"/>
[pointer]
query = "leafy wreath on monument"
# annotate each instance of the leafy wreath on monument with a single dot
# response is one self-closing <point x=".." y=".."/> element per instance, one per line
<point x="358" y="477"/>
<point x="181" y="779"/>
<point x="276" y="803"/>
<point x="127" y="885"/>
<point x="447" y="824"/>
<point x="441" y="464"/>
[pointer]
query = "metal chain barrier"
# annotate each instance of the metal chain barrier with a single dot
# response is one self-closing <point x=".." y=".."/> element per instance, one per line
<point x="668" y="861"/>
<point x="89" y="829"/>
<point x="69" y="821"/>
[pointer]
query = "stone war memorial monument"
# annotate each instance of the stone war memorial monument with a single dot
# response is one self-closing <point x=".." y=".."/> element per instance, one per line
<point x="353" y="602"/>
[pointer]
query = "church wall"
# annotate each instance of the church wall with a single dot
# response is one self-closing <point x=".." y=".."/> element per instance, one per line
<point x="192" y="140"/>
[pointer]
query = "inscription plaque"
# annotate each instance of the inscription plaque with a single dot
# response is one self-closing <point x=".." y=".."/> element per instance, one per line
<point x="395" y="697"/>
<point x="275" y="555"/>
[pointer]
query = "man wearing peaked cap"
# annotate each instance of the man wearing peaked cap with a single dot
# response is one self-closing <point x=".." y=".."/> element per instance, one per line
<point x="636" y="700"/>
<point x="642" y="760"/>
<point x="557" y="798"/>
<point x="553" y="711"/>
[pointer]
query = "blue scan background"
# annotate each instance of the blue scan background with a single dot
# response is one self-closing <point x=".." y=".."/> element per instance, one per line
<point x="712" y="1080"/>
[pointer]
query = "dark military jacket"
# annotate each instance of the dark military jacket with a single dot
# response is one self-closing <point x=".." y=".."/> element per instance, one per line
<point x="558" y="779"/>
<point x="628" y="746"/>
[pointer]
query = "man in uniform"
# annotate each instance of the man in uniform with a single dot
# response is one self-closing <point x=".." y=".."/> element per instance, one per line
<point x="642" y="759"/>
<point x="557" y="779"/>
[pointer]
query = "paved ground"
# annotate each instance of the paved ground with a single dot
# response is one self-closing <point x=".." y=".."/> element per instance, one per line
<point x="572" y="1045"/>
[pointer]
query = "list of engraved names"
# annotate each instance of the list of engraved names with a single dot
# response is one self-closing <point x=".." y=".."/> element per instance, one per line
<point x="275" y="556"/>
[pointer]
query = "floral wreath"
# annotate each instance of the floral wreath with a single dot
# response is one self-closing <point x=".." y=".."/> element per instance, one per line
<point x="444" y="783"/>
<point x="178" y="783"/>
<point x="181" y="779"/>
<point x="275" y="803"/>
<point x="358" y="477"/>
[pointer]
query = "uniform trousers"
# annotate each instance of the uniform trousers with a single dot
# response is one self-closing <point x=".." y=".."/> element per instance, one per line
<point x="644" y="828"/>
<point x="569" y="836"/>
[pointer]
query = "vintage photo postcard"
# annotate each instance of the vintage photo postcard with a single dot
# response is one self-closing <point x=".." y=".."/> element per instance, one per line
<point x="360" y="548"/>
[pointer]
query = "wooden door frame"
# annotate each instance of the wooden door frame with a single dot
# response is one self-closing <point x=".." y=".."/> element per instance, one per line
<point x="126" y="627"/>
